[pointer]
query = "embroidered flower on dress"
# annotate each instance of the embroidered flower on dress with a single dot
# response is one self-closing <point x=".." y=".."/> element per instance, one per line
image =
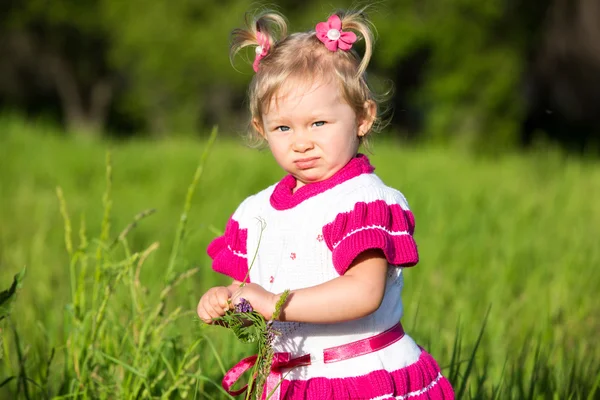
<point x="293" y="256"/>
<point x="320" y="238"/>
<point x="332" y="36"/>
<point x="271" y="279"/>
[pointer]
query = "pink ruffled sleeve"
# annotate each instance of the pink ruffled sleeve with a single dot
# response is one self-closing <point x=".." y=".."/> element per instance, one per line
<point x="229" y="252"/>
<point x="373" y="225"/>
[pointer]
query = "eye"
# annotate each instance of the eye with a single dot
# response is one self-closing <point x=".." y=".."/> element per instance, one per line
<point x="319" y="123"/>
<point x="282" y="128"/>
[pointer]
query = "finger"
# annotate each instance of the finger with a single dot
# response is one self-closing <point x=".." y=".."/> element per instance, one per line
<point x="213" y="312"/>
<point x="204" y="301"/>
<point x="216" y="304"/>
<point x="210" y="307"/>
<point x="208" y="311"/>
<point x="204" y="316"/>
<point x="223" y="298"/>
<point x="200" y="309"/>
<point x="228" y="305"/>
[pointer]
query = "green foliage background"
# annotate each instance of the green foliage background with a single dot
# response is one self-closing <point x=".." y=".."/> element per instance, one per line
<point x="168" y="67"/>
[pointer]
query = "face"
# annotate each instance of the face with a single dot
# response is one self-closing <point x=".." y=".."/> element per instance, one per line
<point x="312" y="132"/>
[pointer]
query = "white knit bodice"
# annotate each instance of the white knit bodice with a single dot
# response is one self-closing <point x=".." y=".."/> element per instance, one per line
<point x="306" y="244"/>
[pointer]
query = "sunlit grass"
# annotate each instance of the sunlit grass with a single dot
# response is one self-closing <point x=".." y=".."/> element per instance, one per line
<point x="516" y="236"/>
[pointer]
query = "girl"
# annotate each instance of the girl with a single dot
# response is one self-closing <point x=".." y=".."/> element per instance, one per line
<point x="330" y="231"/>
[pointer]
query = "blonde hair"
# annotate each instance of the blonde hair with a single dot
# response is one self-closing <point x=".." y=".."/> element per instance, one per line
<point x="303" y="56"/>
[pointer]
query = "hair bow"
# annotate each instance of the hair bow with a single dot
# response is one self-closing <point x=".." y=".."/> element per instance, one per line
<point x="261" y="50"/>
<point x="331" y="34"/>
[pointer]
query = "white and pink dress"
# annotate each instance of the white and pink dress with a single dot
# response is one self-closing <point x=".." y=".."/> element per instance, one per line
<point x="301" y="239"/>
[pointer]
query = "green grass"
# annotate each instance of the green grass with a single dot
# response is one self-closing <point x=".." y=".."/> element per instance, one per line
<point x="516" y="235"/>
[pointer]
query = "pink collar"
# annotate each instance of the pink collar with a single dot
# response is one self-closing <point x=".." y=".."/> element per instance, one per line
<point x="282" y="197"/>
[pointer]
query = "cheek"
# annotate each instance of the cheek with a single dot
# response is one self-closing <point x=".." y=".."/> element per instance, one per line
<point x="277" y="145"/>
<point x="346" y="140"/>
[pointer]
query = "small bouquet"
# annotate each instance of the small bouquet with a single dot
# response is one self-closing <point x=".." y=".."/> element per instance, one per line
<point x="251" y="327"/>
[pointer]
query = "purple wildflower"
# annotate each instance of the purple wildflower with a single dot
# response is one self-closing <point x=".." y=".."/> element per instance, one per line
<point x="243" y="306"/>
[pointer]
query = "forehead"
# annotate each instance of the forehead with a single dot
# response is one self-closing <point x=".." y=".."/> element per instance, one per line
<point x="297" y="94"/>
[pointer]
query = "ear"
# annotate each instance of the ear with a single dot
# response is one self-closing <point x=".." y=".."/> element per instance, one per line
<point x="259" y="127"/>
<point x="369" y="115"/>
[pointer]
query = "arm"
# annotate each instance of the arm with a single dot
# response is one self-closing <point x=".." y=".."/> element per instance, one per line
<point x="355" y="294"/>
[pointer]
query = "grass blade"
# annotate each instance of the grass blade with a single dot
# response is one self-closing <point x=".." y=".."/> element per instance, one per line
<point x="123" y="364"/>
<point x="7" y="380"/>
<point x="463" y="385"/>
<point x="188" y="205"/>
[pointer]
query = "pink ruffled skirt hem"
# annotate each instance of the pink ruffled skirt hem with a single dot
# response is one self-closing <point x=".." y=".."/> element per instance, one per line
<point x="419" y="381"/>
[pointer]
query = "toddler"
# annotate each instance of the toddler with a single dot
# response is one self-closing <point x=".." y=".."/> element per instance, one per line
<point x="330" y="231"/>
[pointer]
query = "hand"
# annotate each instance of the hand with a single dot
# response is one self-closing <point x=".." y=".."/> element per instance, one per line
<point x="262" y="301"/>
<point x="214" y="303"/>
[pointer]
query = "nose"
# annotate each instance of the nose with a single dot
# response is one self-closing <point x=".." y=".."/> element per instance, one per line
<point x="302" y="142"/>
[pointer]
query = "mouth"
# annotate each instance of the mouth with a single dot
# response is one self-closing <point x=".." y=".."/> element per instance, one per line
<point x="305" y="163"/>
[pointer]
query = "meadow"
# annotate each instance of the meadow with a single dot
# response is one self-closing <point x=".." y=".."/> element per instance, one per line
<point x="112" y="237"/>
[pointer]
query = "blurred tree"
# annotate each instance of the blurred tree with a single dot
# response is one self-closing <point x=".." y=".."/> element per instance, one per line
<point x="60" y="45"/>
<point x="472" y="55"/>
<point x="176" y="61"/>
<point x="465" y="70"/>
<point x="179" y="76"/>
<point x="564" y="90"/>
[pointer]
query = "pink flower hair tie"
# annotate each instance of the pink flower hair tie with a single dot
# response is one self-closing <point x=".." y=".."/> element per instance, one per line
<point x="331" y="34"/>
<point x="261" y="50"/>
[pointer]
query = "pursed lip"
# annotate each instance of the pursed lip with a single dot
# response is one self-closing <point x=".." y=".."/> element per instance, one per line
<point x="302" y="160"/>
<point x="306" y="163"/>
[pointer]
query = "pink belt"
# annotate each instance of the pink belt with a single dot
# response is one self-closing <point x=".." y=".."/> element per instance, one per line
<point x="284" y="360"/>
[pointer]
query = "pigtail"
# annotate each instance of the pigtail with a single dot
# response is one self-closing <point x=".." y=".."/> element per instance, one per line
<point x="357" y="21"/>
<point x="270" y="26"/>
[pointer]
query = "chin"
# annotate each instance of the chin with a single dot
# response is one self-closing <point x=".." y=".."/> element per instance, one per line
<point x="311" y="178"/>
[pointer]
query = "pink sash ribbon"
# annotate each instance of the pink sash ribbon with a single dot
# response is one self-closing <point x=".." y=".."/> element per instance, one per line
<point x="284" y="360"/>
